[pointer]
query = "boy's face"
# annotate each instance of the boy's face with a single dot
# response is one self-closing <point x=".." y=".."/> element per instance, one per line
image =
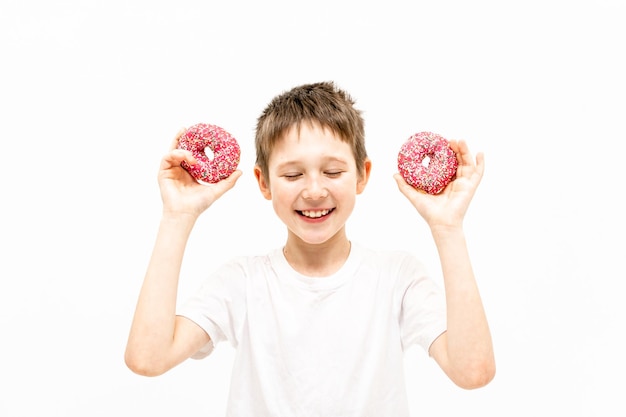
<point x="313" y="183"/>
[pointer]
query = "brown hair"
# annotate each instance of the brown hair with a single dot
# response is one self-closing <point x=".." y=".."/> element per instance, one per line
<point x="321" y="102"/>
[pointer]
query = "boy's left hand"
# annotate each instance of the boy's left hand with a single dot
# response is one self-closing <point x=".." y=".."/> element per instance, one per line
<point x="447" y="209"/>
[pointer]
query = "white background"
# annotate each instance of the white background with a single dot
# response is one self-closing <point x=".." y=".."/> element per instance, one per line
<point x="92" y="92"/>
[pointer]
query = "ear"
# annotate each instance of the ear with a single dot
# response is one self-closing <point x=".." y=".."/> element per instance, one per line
<point x="264" y="185"/>
<point x="363" y="179"/>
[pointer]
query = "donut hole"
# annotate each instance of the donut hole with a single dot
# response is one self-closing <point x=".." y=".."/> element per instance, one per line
<point x="209" y="153"/>
<point x="426" y="161"/>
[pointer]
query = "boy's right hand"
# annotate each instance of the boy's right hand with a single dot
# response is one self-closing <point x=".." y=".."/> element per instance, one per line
<point x="180" y="192"/>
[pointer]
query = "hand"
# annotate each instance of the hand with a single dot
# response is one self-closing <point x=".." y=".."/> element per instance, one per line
<point x="180" y="192"/>
<point x="448" y="208"/>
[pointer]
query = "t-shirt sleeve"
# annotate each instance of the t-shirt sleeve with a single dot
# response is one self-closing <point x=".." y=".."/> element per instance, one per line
<point x="423" y="306"/>
<point x="218" y="307"/>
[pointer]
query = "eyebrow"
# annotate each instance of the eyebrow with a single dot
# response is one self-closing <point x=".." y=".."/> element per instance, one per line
<point x="325" y="159"/>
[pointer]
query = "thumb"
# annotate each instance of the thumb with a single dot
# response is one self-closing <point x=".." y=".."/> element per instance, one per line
<point x="403" y="186"/>
<point x="227" y="183"/>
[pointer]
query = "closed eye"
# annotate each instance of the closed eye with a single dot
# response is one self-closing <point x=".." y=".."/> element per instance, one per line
<point x="333" y="174"/>
<point x="292" y="176"/>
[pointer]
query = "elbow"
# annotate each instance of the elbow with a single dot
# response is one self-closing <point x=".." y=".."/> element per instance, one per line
<point x="476" y="376"/>
<point x="142" y="364"/>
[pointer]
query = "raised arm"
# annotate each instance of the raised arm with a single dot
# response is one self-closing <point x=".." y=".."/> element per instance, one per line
<point x="465" y="350"/>
<point x="158" y="339"/>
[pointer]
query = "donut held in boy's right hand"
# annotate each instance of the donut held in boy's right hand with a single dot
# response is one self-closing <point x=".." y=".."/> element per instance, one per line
<point x="427" y="162"/>
<point x="226" y="152"/>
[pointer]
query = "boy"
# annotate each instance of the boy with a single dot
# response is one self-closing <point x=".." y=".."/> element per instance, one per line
<point x="320" y="325"/>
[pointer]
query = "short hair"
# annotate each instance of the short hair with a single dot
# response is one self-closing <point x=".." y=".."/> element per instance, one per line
<point x="321" y="102"/>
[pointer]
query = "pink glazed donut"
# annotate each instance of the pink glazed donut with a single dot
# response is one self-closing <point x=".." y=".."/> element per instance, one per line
<point x="427" y="162"/>
<point x="226" y="152"/>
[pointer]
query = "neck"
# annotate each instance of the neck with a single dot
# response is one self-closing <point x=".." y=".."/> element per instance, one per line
<point x="317" y="260"/>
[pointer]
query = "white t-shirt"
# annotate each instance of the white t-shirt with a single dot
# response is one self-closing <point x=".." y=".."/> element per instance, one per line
<point x="310" y="347"/>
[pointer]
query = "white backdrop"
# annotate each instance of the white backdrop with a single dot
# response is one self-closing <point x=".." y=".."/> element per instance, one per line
<point x="92" y="92"/>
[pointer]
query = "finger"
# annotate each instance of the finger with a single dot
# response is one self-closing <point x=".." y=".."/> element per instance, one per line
<point x="456" y="148"/>
<point x="404" y="187"/>
<point x="402" y="184"/>
<point x="227" y="183"/>
<point x="480" y="163"/>
<point x="464" y="155"/>
<point x="176" y="156"/>
<point x="174" y="143"/>
<point x="232" y="178"/>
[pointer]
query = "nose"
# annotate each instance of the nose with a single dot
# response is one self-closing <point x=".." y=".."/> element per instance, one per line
<point x="314" y="188"/>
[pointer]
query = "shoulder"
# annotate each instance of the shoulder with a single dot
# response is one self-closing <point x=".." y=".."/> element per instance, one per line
<point x="247" y="264"/>
<point x="235" y="272"/>
<point x="389" y="260"/>
<point x="397" y="270"/>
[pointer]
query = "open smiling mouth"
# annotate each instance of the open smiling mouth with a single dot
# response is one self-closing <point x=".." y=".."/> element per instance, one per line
<point x="314" y="214"/>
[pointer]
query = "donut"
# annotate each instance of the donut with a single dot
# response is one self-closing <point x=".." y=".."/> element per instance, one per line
<point x="427" y="162"/>
<point x="226" y="152"/>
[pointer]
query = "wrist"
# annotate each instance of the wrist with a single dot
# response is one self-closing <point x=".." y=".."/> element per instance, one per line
<point x="182" y="220"/>
<point x="447" y="231"/>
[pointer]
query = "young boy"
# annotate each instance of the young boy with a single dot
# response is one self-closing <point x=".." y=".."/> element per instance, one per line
<point x="319" y="325"/>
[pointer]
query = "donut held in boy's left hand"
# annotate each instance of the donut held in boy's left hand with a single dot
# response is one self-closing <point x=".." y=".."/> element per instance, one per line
<point x="226" y="152"/>
<point x="427" y="162"/>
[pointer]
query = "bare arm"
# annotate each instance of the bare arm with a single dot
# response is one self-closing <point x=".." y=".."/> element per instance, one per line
<point x="465" y="350"/>
<point x="158" y="339"/>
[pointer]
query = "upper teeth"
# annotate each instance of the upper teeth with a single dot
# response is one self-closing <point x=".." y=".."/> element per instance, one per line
<point x="318" y="213"/>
